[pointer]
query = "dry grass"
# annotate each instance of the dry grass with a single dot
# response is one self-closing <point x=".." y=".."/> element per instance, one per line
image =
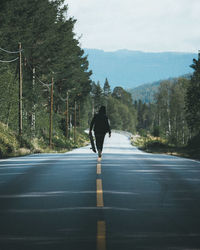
<point x="158" y="145"/>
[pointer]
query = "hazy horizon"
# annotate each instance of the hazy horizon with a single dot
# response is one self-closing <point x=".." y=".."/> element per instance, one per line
<point x="129" y="69"/>
<point x="143" y="51"/>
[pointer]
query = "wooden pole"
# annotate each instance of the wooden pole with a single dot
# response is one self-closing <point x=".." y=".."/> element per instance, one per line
<point x="51" y="115"/>
<point x="33" y="117"/>
<point x="67" y="115"/>
<point x="20" y="90"/>
<point x="75" y="122"/>
<point x="79" y="114"/>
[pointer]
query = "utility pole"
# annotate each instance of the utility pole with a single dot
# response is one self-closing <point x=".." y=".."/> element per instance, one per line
<point x="67" y="115"/>
<point x="51" y="115"/>
<point x="79" y="114"/>
<point x="20" y="90"/>
<point x="34" y="106"/>
<point x="70" y="125"/>
<point x="75" y="122"/>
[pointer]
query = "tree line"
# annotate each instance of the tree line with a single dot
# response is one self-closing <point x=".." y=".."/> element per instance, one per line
<point x="119" y="105"/>
<point x="55" y="72"/>
<point x="175" y="113"/>
<point x="51" y="54"/>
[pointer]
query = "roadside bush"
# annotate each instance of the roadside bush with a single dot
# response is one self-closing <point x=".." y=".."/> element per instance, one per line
<point x="194" y="142"/>
<point x="12" y="145"/>
<point x="60" y="143"/>
<point x="25" y="143"/>
<point x="8" y="141"/>
<point x="156" y="144"/>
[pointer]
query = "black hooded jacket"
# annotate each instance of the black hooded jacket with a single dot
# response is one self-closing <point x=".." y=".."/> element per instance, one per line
<point x="100" y="124"/>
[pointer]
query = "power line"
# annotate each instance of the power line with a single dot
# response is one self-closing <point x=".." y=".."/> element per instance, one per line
<point x="44" y="84"/>
<point x="11" y="52"/>
<point x="2" y="61"/>
<point x="62" y="99"/>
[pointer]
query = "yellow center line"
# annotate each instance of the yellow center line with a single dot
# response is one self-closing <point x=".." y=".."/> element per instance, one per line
<point x="101" y="225"/>
<point x="101" y="235"/>
<point x="99" y="193"/>
<point x="99" y="168"/>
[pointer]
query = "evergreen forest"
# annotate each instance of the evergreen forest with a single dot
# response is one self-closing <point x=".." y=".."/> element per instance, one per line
<point x="172" y="118"/>
<point x="47" y="96"/>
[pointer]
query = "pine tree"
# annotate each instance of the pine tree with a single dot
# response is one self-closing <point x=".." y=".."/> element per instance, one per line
<point x="51" y="49"/>
<point x="97" y="94"/>
<point x="193" y="98"/>
<point x="106" y="88"/>
<point x="122" y="95"/>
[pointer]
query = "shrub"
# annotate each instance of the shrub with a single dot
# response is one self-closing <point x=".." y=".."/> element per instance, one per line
<point x="156" y="144"/>
<point x="194" y="142"/>
<point x="8" y="141"/>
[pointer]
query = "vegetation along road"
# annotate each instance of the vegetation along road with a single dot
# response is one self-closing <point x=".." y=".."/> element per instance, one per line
<point x="127" y="200"/>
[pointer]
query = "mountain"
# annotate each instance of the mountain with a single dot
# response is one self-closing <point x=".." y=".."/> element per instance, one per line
<point x="146" y="92"/>
<point x="129" y="69"/>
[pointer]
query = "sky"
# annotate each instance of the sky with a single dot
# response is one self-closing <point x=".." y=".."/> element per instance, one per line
<point x="145" y="25"/>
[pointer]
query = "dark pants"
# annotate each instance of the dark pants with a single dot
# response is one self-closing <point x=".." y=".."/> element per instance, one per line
<point x="99" y="140"/>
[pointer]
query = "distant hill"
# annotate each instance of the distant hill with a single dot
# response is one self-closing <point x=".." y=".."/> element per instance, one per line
<point x="146" y="92"/>
<point x="129" y="69"/>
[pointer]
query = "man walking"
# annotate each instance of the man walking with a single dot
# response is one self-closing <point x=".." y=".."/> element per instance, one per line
<point x="101" y="126"/>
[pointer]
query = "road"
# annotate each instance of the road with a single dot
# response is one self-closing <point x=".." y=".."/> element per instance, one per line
<point x="129" y="200"/>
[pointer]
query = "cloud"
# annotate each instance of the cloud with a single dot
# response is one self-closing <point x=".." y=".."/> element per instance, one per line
<point x="148" y="25"/>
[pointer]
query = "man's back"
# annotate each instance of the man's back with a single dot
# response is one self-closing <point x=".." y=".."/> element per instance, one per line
<point x="101" y="124"/>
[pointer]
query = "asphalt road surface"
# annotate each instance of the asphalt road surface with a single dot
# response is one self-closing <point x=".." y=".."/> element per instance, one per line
<point x="129" y="200"/>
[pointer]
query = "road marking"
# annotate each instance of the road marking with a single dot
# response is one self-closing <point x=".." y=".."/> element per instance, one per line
<point x="101" y="225"/>
<point x="101" y="235"/>
<point x="99" y="193"/>
<point x="99" y="168"/>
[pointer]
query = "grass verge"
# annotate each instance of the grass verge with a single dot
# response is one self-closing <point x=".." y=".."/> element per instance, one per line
<point x="11" y="145"/>
<point x="157" y="145"/>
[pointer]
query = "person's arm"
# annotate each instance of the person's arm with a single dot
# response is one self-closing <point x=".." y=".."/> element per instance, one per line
<point x="108" y="126"/>
<point x="92" y="124"/>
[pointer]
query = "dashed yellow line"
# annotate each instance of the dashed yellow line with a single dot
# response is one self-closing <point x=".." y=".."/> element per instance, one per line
<point x="101" y="225"/>
<point x="99" y="193"/>
<point x="101" y="235"/>
<point x="99" y="168"/>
